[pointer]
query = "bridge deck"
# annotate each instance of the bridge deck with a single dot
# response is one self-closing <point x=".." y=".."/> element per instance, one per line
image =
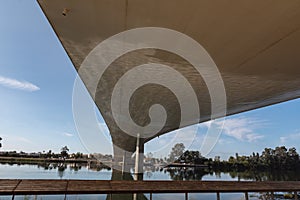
<point x="48" y="187"/>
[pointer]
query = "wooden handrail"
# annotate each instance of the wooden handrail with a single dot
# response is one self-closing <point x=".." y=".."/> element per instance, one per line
<point x="50" y="187"/>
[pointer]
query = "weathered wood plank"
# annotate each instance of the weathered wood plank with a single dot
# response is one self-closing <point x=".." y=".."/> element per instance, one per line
<point x="88" y="187"/>
<point x="7" y="186"/>
<point x="41" y="187"/>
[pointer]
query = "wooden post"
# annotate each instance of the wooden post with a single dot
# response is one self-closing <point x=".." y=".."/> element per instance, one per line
<point x="186" y="196"/>
<point x="272" y="195"/>
<point x="246" y="196"/>
<point x="295" y="195"/>
<point x="218" y="196"/>
<point x="150" y="196"/>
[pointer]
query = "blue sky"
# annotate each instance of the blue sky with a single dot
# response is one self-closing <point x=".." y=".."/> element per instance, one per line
<point x="36" y="83"/>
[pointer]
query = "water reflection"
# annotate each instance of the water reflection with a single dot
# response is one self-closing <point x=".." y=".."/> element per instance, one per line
<point x="72" y="166"/>
<point x="198" y="174"/>
<point x="187" y="173"/>
<point x="275" y="175"/>
<point x="168" y="173"/>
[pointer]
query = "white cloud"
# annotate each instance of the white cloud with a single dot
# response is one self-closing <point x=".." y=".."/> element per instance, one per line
<point x="67" y="134"/>
<point x="291" y="137"/>
<point x="224" y="141"/>
<point x="20" y="85"/>
<point x="238" y="128"/>
<point x="242" y="129"/>
<point x="235" y="128"/>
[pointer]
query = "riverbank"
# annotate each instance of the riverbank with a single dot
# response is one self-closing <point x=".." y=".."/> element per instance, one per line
<point x="21" y="160"/>
<point x="186" y="165"/>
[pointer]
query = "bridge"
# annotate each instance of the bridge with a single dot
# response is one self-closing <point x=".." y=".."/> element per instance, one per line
<point x="248" y="50"/>
<point x="254" y="46"/>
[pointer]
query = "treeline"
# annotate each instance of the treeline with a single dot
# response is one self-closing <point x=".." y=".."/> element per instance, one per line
<point x="64" y="154"/>
<point x="48" y="154"/>
<point x="279" y="158"/>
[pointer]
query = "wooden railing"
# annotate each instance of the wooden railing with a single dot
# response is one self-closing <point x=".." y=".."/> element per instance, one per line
<point x="65" y="187"/>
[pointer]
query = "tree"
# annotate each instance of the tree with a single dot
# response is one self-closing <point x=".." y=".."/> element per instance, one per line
<point x="266" y="156"/>
<point x="176" y="152"/>
<point x="237" y="156"/>
<point x="292" y="153"/>
<point x="231" y="160"/>
<point x="64" y="152"/>
<point x="192" y="157"/>
<point x="49" y="154"/>
<point x="78" y="155"/>
<point x="293" y="157"/>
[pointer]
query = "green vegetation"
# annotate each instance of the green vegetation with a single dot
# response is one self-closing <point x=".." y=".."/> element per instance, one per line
<point x="279" y="158"/>
<point x="50" y="158"/>
<point x="64" y="152"/>
<point x="279" y="164"/>
<point x="192" y="157"/>
<point x="176" y="152"/>
<point x="50" y="155"/>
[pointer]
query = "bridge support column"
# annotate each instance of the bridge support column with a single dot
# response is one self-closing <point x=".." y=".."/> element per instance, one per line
<point x="139" y="159"/>
<point x="127" y="162"/>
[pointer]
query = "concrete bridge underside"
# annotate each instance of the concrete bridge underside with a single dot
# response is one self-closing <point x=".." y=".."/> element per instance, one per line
<point x="255" y="45"/>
